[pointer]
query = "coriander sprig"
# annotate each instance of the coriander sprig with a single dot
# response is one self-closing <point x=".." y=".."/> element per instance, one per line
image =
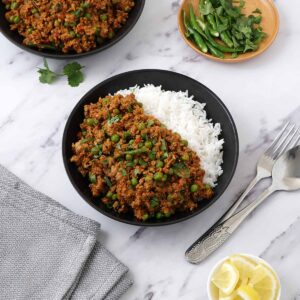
<point x="72" y="71"/>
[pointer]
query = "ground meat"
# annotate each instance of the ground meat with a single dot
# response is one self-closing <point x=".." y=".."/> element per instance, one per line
<point x="134" y="163"/>
<point x="69" y="25"/>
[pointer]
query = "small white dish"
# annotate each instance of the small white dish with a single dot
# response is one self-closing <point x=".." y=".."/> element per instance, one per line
<point x="211" y="291"/>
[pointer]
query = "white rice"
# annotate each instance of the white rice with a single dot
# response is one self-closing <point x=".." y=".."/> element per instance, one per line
<point x="182" y="114"/>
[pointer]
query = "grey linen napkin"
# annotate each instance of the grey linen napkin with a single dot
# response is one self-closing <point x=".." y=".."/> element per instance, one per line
<point x="49" y="252"/>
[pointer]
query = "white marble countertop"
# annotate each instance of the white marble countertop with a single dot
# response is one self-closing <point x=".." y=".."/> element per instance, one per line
<point x="260" y="94"/>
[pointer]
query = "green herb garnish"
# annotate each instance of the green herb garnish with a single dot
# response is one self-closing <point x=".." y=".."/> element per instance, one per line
<point x="74" y="74"/>
<point x="46" y="75"/>
<point x="72" y="71"/>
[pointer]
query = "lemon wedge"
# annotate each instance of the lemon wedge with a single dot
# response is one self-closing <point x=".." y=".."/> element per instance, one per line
<point x="223" y="296"/>
<point x="244" y="265"/>
<point x="226" y="278"/>
<point x="246" y="292"/>
<point x="265" y="282"/>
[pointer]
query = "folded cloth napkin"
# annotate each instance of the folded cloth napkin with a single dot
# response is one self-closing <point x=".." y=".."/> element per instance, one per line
<point x="49" y="252"/>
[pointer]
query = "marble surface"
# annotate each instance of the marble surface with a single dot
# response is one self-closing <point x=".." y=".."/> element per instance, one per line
<point x="260" y="94"/>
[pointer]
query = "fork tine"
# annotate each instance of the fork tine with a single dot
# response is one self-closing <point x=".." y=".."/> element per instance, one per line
<point x="277" y="139"/>
<point x="297" y="139"/>
<point x="286" y="143"/>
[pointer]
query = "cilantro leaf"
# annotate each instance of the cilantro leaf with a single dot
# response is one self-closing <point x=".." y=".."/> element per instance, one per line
<point x="73" y="73"/>
<point x="75" y="79"/>
<point x="113" y="120"/>
<point x="46" y="75"/>
<point x="206" y="7"/>
<point x="71" y="68"/>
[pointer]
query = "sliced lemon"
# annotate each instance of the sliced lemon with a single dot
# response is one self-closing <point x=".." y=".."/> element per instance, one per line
<point x="226" y="278"/>
<point x="246" y="292"/>
<point x="223" y="296"/>
<point x="265" y="282"/>
<point x="244" y="265"/>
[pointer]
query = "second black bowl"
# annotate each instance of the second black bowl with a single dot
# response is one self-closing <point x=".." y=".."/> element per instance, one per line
<point x="215" y="109"/>
<point x="17" y="39"/>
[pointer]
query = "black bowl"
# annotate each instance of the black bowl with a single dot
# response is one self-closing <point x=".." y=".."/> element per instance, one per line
<point x="215" y="108"/>
<point x="17" y="39"/>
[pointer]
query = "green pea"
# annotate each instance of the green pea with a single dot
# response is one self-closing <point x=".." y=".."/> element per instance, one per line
<point x="154" y="202"/>
<point x="129" y="157"/>
<point x="131" y="142"/>
<point x="126" y="135"/>
<point x="150" y="123"/>
<point x="16" y="19"/>
<point x="103" y="17"/>
<point x="34" y="11"/>
<point x="141" y="126"/>
<point x="134" y="181"/>
<point x="158" y="176"/>
<point x="184" y="143"/>
<point x="185" y="157"/>
<point x="87" y="15"/>
<point x="165" y="155"/>
<point x="148" y="178"/>
<point x="164" y="178"/>
<point x="115" y="138"/>
<point x="114" y="197"/>
<point x="91" y="122"/>
<point x="78" y="12"/>
<point x="194" y="188"/>
<point x="72" y="33"/>
<point x="159" y="164"/>
<point x="152" y="155"/>
<point x="109" y="205"/>
<point x="109" y="195"/>
<point x="171" y="171"/>
<point x="85" y="5"/>
<point x="142" y="162"/>
<point x="30" y="30"/>
<point x="207" y="186"/>
<point x="130" y="164"/>
<point x="97" y="30"/>
<point x="159" y="215"/>
<point x="14" y="5"/>
<point x="136" y="161"/>
<point x="170" y="197"/>
<point x="95" y="150"/>
<point x="145" y="217"/>
<point x="148" y="144"/>
<point x="111" y="35"/>
<point x="56" y="23"/>
<point x="92" y="178"/>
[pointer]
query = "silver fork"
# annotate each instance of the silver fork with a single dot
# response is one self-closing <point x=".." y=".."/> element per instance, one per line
<point x="288" y="137"/>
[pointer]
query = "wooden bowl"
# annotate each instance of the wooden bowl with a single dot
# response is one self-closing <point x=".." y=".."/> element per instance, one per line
<point x="270" y="25"/>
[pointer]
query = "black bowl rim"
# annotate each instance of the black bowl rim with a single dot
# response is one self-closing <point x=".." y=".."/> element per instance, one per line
<point x="78" y="55"/>
<point x="134" y="222"/>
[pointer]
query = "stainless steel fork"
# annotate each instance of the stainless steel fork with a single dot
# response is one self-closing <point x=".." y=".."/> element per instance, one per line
<point x="288" y="137"/>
